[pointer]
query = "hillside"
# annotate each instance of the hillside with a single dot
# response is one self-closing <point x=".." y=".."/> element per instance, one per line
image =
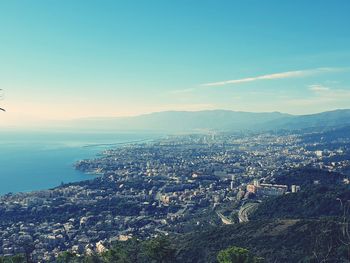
<point x="311" y="203"/>
<point x="213" y="120"/>
<point x="306" y="176"/>
<point x="321" y="120"/>
<point x="184" y="121"/>
<point x="275" y="241"/>
<point x="301" y="227"/>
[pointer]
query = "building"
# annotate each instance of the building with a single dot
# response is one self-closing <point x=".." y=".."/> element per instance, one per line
<point x="318" y="153"/>
<point x="232" y="185"/>
<point x="295" y="188"/>
<point x="251" y="188"/>
<point x="266" y="189"/>
<point x="272" y="189"/>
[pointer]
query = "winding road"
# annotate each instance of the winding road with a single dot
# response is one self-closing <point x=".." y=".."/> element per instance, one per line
<point x="245" y="211"/>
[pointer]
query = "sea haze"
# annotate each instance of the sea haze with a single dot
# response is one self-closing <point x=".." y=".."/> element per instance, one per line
<point x="40" y="160"/>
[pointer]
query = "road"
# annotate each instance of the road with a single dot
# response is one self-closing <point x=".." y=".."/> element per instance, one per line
<point x="245" y="211"/>
<point x="224" y="219"/>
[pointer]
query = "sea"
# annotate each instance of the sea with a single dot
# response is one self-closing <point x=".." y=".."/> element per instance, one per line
<point x="41" y="160"/>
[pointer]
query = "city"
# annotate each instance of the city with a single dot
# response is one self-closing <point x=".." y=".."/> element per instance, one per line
<point x="174" y="131"/>
<point x="171" y="185"/>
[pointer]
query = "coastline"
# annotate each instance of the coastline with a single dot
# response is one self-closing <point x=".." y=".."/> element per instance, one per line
<point x="40" y="161"/>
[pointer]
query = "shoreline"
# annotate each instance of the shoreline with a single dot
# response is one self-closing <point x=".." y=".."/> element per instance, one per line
<point x="43" y="170"/>
<point x="118" y="143"/>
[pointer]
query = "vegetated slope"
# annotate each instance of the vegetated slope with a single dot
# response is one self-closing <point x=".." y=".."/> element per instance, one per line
<point x="311" y="203"/>
<point x="322" y="194"/>
<point x="299" y="227"/>
<point x="307" y="176"/>
<point x="275" y="241"/>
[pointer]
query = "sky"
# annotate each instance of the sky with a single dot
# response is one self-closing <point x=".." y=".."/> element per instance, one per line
<point x="63" y="59"/>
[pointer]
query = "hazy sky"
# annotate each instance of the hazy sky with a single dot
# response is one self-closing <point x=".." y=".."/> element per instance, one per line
<point x="64" y="59"/>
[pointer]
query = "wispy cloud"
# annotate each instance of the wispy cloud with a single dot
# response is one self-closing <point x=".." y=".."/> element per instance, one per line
<point x="181" y="91"/>
<point x="318" y="88"/>
<point x="322" y="95"/>
<point x="280" y="75"/>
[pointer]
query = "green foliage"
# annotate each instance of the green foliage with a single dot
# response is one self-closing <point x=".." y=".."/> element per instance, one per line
<point x="65" y="257"/>
<point x="285" y="241"/>
<point x="156" y="250"/>
<point x="116" y="255"/>
<point x="92" y="259"/>
<point x="237" y="255"/>
<point x="311" y="203"/>
<point x="305" y="177"/>
<point x="159" y="250"/>
<point x="13" y="259"/>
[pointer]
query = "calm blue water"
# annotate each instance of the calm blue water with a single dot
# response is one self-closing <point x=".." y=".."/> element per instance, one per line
<point x="33" y="161"/>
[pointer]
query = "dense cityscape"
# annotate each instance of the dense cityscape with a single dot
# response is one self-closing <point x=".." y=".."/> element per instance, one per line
<point x="171" y="185"/>
<point x="174" y="131"/>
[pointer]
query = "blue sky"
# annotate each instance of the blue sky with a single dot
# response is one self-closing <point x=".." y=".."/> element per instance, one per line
<point x="69" y="59"/>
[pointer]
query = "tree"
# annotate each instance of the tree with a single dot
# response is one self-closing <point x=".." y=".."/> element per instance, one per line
<point x="237" y="255"/>
<point x="27" y="244"/>
<point x="65" y="257"/>
<point x="159" y="250"/>
<point x="13" y="259"/>
<point x="94" y="258"/>
<point x="116" y="255"/>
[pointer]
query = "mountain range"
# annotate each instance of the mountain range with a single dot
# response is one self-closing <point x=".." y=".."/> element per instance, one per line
<point x="214" y="121"/>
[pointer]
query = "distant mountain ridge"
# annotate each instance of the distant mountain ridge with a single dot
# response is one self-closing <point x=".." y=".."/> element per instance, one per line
<point x="324" y="119"/>
<point x="215" y="120"/>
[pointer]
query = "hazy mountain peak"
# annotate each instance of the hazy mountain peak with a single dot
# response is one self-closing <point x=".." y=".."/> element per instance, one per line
<point x="214" y="120"/>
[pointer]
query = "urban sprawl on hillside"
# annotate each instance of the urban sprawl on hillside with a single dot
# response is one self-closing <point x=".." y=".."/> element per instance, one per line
<point x="166" y="186"/>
